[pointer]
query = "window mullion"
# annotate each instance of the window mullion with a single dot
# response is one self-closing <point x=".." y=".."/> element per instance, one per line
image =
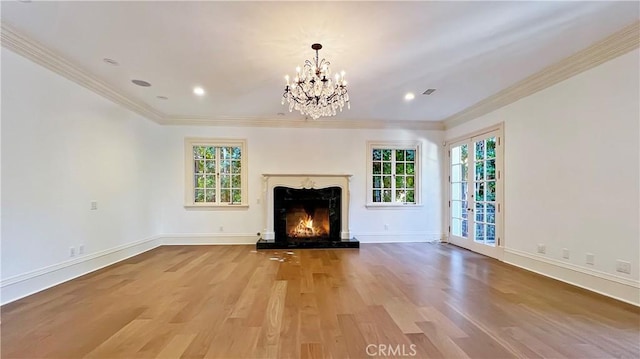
<point x="218" y="166"/>
<point x="393" y="176"/>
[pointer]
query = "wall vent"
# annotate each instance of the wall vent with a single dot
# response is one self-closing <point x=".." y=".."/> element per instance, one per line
<point x="429" y="92"/>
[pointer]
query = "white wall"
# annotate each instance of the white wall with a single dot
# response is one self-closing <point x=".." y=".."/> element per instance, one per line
<point x="572" y="177"/>
<point x="571" y="165"/>
<point x="62" y="147"/>
<point x="300" y="150"/>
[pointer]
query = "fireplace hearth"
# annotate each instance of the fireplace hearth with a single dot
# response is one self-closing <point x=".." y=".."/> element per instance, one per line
<point x="306" y="212"/>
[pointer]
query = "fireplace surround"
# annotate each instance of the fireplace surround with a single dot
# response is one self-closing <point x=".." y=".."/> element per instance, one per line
<point x="306" y="211"/>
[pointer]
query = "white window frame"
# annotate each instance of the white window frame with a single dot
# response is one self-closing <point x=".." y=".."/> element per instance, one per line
<point x="395" y="145"/>
<point x="189" y="165"/>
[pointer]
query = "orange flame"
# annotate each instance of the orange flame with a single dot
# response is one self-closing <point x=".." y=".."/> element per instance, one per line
<point x="305" y="228"/>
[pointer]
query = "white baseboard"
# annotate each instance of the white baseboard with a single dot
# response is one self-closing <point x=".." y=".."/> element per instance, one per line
<point x="25" y="284"/>
<point x="14" y="288"/>
<point x="617" y="287"/>
<point x="396" y="237"/>
<point x="180" y="239"/>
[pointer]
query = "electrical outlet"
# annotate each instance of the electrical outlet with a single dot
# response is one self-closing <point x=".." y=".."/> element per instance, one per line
<point x="258" y="201"/>
<point x="94" y="205"/>
<point x="542" y="248"/>
<point x="81" y="249"/>
<point x="386" y="227"/>
<point x="72" y="251"/>
<point x="221" y="229"/>
<point x="623" y="266"/>
<point x="591" y="258"/>
<point x="565" y="253"/>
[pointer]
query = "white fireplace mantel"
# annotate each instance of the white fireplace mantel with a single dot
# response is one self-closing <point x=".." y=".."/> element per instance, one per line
<point x="307" y="181"/>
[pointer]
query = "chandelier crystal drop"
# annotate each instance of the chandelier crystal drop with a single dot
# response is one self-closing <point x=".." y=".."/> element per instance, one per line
<point x="313" y="92"/>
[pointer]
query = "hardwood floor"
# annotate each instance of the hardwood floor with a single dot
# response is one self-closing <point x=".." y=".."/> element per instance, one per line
<point x="384" y="300"/>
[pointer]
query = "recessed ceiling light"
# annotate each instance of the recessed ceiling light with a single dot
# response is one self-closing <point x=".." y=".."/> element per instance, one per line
<point x="141" y="83"/>
<point x="162" y="97"/>
<point x="198" y="91"/>
<point x="110" y="61"/>
<point x="409" y="96"/>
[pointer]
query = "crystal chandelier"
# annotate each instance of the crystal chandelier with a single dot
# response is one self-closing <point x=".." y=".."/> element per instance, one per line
<point x="313" y="92"/>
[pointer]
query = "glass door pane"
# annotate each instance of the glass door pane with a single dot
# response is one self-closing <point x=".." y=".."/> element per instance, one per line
<point x="459" y="187"/>
<point x="484" y="197"/>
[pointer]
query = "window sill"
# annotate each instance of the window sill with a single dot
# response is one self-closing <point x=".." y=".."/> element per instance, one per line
<point x="214" y="206"/>
<point x="393" y="205"/>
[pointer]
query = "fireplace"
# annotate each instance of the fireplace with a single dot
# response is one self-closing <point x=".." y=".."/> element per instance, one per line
<point x="306" y="211"/>
<point x="307" y="214"/>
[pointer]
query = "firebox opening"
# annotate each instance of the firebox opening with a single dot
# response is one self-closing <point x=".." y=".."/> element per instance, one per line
<point x="306" y="215"/>
<point x="307" y="221"/>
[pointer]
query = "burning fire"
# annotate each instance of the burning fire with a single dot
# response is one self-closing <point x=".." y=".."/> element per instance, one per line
<point x="305" y="228"/>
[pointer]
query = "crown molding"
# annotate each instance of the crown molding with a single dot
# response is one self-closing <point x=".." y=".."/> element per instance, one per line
<point x="39" y="54"/>
<point x="302" y="123"/>
<point x="609" y="48"/>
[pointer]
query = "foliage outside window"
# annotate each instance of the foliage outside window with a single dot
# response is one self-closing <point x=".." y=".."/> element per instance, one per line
<point x="216" y="172"/>
<point x="393" y="174"/>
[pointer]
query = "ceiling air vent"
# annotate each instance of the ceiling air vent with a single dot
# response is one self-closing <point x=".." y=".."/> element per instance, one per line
<point x="429" y="92"/>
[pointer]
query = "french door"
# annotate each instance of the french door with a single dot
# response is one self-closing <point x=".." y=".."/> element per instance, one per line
<point x="475" y="193"/>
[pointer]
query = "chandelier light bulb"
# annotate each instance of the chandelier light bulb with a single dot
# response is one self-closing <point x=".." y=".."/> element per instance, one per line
<point x="313" y="93"/>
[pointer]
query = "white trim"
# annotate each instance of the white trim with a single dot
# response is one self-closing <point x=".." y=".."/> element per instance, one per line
<point x="592" y="272"/>
<point x="189" y="171"/>
<point x="393" y="206"/>
<point x="211" y="206"/>
<point x="22" y="285"/>
<point x="456" y="140"/>
<point x="398" y="237"/>
<point x="611" y="47"/>
<point x="328" y="123"/>
<point x="179" y="239"/>
<point x="47" y="58"/>
<point x="620" y="288"/>
<point x="38" y="53"/>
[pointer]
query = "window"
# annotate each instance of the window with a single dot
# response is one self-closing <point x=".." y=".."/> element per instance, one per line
<point x="393" y="177"/>
<point x="215" y="172"/>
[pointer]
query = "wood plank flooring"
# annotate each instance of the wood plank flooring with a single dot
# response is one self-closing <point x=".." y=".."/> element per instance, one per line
<point x="384" y="300"/>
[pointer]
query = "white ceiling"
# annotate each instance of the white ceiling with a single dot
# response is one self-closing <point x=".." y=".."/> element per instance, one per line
<point x="240" y="51"/>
